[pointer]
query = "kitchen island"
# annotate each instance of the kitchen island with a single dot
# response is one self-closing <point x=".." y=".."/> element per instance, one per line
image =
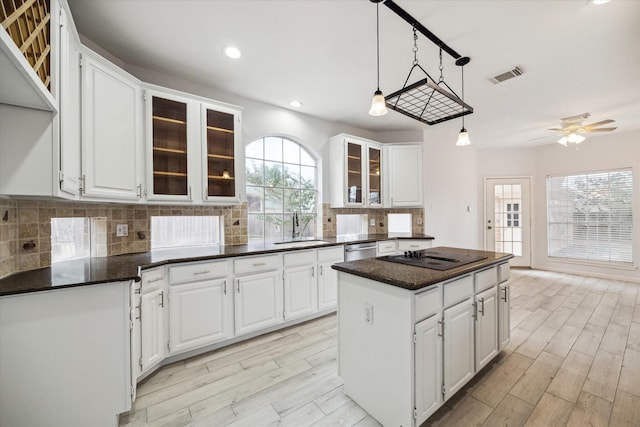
<point x="410" y="337"/>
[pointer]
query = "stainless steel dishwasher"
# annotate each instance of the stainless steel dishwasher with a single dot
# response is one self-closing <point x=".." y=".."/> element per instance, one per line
<point x="356" y="251"/>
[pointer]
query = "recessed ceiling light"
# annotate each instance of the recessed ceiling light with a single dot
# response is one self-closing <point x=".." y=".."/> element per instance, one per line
<point x="599" y="2"/>
<point x="232" y="52"/>
<point x="295" y="104"/>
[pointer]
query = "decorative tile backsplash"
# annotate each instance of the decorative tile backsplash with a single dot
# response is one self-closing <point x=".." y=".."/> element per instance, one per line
<point x="25" y="226"/>
<point x="25" y="234"/>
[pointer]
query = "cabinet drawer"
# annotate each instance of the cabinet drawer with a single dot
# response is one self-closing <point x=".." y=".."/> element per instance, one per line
<point x="334" y="254"/>
<point x="152" y="280"/>
<point x="486" y="279"/>
<point x="256" y="264"/>
<point x="503" y="272"/>
<point x="293" y="259"/>
<point x="413" y="245"/>
<point x="386" y="247"/>
<point x="196" y="272"/>
<point x="428" y="303"/>
<point x="458" y="290"/>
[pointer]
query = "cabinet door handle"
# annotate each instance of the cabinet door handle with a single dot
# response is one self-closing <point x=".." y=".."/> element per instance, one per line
<point x="157" y="279"/>
<point x="504" y="298"/>
<point x="139" y="191"/>
<point x="313" y="271"/>
<point x="475" y="310"/>
<point x="197" y="273"/>
<point x="482" y="303"/>
<point x="162" y="299"/>
<point x="259" y="264"/>
<point x="441" y="329"/>
<point x="224" y="287"/>
<point x="320" y="269"/>
<point x="238" y="285"/>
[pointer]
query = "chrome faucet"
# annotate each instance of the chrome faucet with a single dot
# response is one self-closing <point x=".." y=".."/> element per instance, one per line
<point x="295" y="223"/>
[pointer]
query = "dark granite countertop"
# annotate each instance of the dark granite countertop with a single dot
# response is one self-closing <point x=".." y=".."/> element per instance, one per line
<point x="412" y="277"/>
<point x="90" y="271"/>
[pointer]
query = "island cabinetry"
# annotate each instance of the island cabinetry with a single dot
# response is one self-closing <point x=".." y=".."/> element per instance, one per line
<point x="300" y="284"/>
<point x="200" y="305"/>
<point x="152" y="319"/>
<point x="486" y="316"/>
<point x="328" y="277"/>
<point x="458" y="317"/>
<point x="111" y="131"/>
<point x="355" y="171"/>
<point x="386" y="247"/>
<point x="258" y="292"/>
<point x="504" y="305"/>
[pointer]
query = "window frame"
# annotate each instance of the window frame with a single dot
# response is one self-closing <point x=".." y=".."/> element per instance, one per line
<point x="615" y="257"/>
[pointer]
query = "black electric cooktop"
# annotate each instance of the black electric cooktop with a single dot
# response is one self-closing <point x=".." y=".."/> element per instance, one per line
<point x="433" y="259"/>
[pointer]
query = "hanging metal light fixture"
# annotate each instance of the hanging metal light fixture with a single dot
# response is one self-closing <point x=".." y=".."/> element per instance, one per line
<point x="463" y="136"/>
<point x="378" y="107"/>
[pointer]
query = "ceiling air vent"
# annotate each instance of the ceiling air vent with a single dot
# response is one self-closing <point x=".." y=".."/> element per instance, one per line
<point x="515" y="72"/>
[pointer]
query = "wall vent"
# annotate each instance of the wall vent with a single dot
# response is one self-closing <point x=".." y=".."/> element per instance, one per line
<point x="515" y="72"/>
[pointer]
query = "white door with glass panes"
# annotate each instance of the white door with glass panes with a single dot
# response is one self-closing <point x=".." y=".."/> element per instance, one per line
<point x="508" y="218"/>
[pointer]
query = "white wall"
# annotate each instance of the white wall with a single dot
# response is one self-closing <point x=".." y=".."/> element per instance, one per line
<point x="450" y="182"/>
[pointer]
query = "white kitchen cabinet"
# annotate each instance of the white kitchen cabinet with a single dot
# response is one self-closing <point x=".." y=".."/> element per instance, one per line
<point x="222" y="168"/>
<point x="69" y="115"/>
<point x="428" y="369"/>
<point x="152" y="329"/>
<point x="504" y="307"/>
<point x="199" y="314"/>
<point x="111" y="131"/>
<point x="356" y="173"/>
<point x="258" y="301"/>
<point x="386" y="247"/>
<point x="458" y="346"/>
<point x="328" y="277"/>
<point x="403" y="175"/>
<point x="300" y="291"/>
<point x="486" y="326"/>
<point x="413" y="245"/>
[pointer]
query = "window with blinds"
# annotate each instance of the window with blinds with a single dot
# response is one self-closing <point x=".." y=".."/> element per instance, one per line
<point x="589" y="216"/>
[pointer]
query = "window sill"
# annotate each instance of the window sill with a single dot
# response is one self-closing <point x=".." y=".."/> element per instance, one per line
<point x="613" y="265"/>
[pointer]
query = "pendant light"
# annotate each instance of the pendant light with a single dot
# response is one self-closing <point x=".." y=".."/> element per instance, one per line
<point x="378" y="107"/>
<point x="463" y="136"/>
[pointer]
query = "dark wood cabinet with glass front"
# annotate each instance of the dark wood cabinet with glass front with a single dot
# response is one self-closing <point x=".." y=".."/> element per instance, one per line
<point x="169" y="147"/>
<point x="220" y="162"/>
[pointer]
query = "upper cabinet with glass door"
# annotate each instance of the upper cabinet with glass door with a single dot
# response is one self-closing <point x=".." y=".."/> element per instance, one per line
<point x="221" y="172"/>
<point x="356" y="172"/>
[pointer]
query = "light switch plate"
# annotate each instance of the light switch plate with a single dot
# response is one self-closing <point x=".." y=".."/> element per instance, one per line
<point x="122" y="230"/>
<point x="372" y="222"/>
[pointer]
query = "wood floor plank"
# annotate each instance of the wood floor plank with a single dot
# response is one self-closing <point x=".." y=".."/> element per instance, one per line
<point x="495" y="386"/>
<point x="347" y="415"/>
<point x="602" y="379"/>
<point x="261" y="417"/>
<point x="276" y="351"/>
<point x="562" y="342"/>
<point x="558" y="317"/>
<point x="221" y="417"/>
<point x="323" y="356"/>
<point x="591" y="411"/>
<point x="301" y="417"/>
<point x="614" y="339"/>
<point x="367" y="421"/>
<point x="551" y="411"/>
<point x="290" y="403"/>
<point x="622" y="315"/>
<point x="532" y="385"/>
<point x="580" y="316"/>
<point x="534" y="320"/>
<point x="602" y="314"/>
<point x="154" y="383"/>
<point x="306" y="351"/>
<point x="537" y="341"/>
<point x="626" y="410"/>
<point x="591" y="300"/>
<point x="630" y="373"/>
<point x="568" y="381"/>
<point x="511" y="412"/>
<point x="633" y="339"/>
<point x="589" y="340"/>
<point x="470" y="412"/>
<point x="178" y="418"/>
<point x="574" y="300"/>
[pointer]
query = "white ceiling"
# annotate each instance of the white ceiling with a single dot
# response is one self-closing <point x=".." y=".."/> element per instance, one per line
<point x="577" y="57"/>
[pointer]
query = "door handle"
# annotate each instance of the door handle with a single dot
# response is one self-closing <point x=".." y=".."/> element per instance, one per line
<point x="489" y="228"/>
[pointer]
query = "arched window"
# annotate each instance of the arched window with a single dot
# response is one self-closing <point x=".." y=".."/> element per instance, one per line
<point x="281" y="186"/>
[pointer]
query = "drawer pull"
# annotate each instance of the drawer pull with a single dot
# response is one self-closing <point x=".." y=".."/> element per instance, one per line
<point x="197" y="273"/>
<point x="320" y="268"/>
<point x="505" y="294"/>
<point x="313" y="272"/>
<point x="224" y="287"/>
<point x="482" y="303"/>
<point x="414" y="246"/>
<point x="157" y="279"/>
<point x="238" y="285"/>
<point x="259" y="264"/>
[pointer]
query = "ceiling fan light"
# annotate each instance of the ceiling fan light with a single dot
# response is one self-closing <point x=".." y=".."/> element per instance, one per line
<point x="463" y="138"/>
<point x="378" y="106"/>
<point x="563" y="141"/>
<point x="575" y="138"/>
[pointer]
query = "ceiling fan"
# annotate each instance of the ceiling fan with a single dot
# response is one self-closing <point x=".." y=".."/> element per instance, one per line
<point x="571" y="127"/>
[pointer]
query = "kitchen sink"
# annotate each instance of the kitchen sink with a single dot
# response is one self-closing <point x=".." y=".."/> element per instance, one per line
<point x="302" y="243"/>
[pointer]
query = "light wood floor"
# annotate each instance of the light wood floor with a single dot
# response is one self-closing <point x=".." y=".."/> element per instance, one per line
<point x="574" y="359"/>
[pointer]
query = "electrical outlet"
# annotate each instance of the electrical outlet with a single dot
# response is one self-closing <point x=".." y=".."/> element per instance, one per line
<point x="368" y="313"/>
<point x="122" y="230"/>
<point x="372" y="222"/>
